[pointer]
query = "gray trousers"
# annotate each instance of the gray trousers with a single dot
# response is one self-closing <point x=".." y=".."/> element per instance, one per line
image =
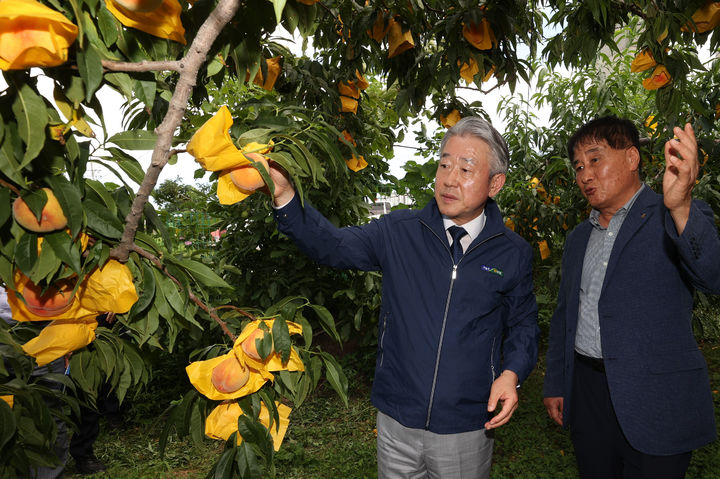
<point x="406" y="453"/>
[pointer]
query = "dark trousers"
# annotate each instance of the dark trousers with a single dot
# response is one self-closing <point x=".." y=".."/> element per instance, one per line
<point x="88" y="424"/>
<point x="601" y="448"/>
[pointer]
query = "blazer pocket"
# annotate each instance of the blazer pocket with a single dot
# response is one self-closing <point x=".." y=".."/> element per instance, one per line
<point x="675" y="361"/>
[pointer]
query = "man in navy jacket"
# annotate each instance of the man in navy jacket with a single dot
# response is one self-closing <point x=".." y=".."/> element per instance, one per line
<point x="458" y="325"/>
<point x="623" y="369"/>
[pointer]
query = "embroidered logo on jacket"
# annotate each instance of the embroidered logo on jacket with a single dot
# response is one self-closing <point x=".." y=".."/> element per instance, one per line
<point x="492" y="270"/>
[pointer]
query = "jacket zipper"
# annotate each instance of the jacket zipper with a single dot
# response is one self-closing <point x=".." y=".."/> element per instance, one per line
<point x="382" y="340"/>
<point x="445" y="314"/>
<point x="492" y="359"/>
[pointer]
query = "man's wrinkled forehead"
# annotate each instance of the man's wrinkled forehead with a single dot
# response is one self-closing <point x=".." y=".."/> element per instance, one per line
<point x="590" y="146"/>
<point x="466" y="157"/>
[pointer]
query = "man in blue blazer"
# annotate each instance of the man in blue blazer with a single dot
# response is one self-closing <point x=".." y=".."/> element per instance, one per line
<point x="623" y="369"/>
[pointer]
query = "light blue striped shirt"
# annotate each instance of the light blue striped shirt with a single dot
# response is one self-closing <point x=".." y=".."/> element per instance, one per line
<point x="597" y="255"/>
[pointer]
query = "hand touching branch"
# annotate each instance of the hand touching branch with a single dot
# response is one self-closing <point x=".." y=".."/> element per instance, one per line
<point x="284" y="190"/>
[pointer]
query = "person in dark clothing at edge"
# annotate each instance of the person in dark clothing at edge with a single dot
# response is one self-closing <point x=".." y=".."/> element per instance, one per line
<point x="623" y="369"/>
<point x="458" y="323"/>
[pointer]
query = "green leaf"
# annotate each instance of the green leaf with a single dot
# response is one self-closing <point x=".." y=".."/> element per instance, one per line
<point x="147" y="290"/>
<point x="128" y="164"/>
<point x="302" y="389"/>
<point x="145" y="92"/>
<point x="122" y="82"/>
<point x="215" y="66"/>
<point x="125" y="381"/>
<point x="135" y="139"/>
<point x="101" y="221"/>
<point x="196" y="424"/>
<point x="335" y="376"/>
<point x="6" y="270"/>
<point x="109" y="26"/>
<point x="103" y="193"/>
<point x="65" y="249"/>
<point x="326" y="321"/>
<point x="278" y="5"/>
<point x="5" y="208"/>
<point x="32" y="118"/>
<point x="7" y="423"/>
<point x="26" y="251"/>
<point x="8" y="165"/>
<point x="107" y="356"/>
<point x="202" y="273"/>
<point x="257" y="135"/>
<point x="160" y="302"/>
<point x="69" y="198"/>
<point x="91" y="70"/>
<point x="223" y="468"/>
<point x="47" y="264"/>
<point x="281" y="338"/>
<point x="172" y="296"/>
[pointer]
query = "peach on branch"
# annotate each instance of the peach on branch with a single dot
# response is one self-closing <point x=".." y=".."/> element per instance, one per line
<point x="230" y="375"/>
<point x="248" y="178"/>
<point x="52" y="217"/>
<point x="250" y="347"/>
<point x="51" y="302"/>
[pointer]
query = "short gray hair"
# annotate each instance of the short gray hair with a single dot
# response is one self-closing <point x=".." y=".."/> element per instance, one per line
<point x="479" y="128"/>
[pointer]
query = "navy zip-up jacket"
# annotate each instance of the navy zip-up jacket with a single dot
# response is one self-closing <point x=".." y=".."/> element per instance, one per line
<point x="445" y="331"/>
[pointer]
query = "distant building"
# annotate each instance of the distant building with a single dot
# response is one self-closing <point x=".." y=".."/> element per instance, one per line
<point x="384" y="203"/>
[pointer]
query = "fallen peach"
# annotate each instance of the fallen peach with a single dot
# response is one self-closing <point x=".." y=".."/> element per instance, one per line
<point x="229" y="375"/>
<point x="139" y="5"/>
<point x="52" y="217"/>
<point x="54" y="301"/>
<point x="249" y="345"/>
<point x="247" y="178"/>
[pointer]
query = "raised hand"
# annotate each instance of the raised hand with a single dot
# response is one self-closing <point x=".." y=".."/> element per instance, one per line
<point x="681" y="170"/>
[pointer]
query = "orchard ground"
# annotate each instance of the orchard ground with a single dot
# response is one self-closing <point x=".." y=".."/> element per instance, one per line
<point x="326" y="440"/>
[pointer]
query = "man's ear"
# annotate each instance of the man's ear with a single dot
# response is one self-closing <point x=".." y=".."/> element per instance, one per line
<point x="496" y="183"/>
<point x="633" y="156"/>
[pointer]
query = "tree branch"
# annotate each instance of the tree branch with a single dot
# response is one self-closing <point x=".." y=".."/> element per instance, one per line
<point x="144" y="66"/>
<point x="10" y="186"/>
<point x="188" y="68"/>
<point x="211" y="311"/>
<point x="484" y="92"/>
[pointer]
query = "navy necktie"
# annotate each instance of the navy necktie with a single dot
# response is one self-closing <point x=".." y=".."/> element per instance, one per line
<point x="456" y="232"/>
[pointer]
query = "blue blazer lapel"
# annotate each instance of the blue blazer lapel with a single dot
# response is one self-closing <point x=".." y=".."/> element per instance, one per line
<point x="642" y="210"/>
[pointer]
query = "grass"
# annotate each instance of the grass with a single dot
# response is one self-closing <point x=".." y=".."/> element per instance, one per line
<point x="326" y="440"/>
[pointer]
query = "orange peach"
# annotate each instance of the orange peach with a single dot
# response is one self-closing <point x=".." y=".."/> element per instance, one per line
<point x="249" y="345"/>
<point x="247" y="178"/>
<point x="54" y="301"/>
<point x="139" y="5"/>
<point x="52" y="217"/>
<point x="229" y="375"/>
